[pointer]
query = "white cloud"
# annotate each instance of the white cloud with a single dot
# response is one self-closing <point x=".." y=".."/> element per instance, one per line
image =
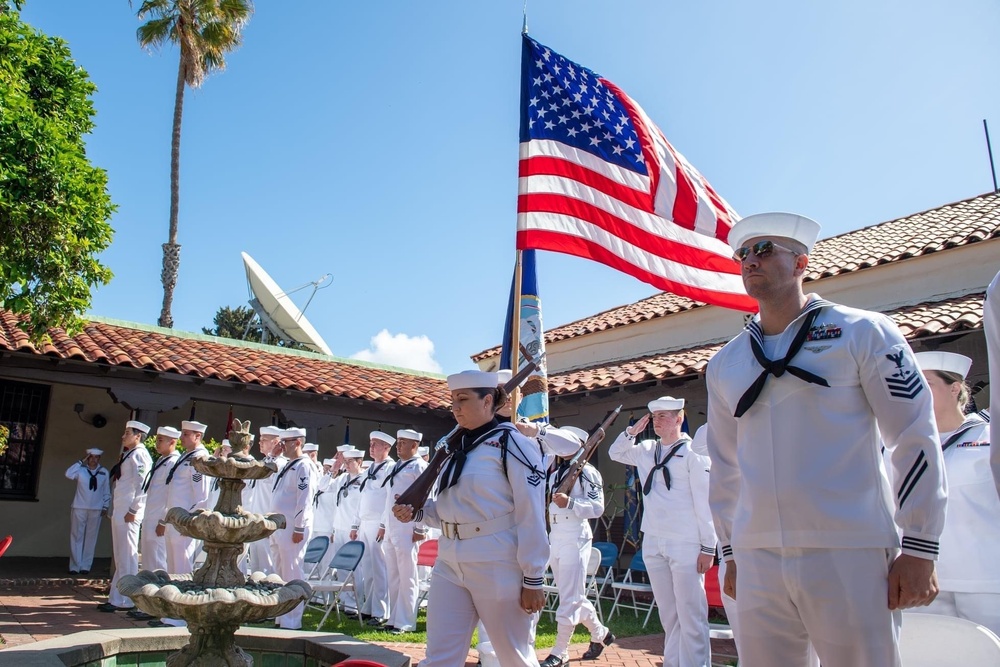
<point x="416" y="352"/>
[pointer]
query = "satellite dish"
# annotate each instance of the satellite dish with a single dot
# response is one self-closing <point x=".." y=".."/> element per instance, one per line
<point x="279" y="317"/>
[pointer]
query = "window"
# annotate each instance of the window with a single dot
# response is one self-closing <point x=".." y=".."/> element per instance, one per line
<point x="23" y="408"/>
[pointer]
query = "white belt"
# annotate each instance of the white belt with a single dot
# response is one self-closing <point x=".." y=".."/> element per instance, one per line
<point x="464" y="531"/>
<point x="564" y="518"/>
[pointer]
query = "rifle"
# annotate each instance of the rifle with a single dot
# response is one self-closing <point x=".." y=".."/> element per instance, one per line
<point x="416" y="494"/>
<point x="588" y="449"/>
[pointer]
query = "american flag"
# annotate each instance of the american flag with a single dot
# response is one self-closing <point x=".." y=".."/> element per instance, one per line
<point x="599" y="180"/>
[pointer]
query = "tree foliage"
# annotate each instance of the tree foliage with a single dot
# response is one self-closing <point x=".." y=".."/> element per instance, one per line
<point x="233" y="323"/>
<point x="54" y="204"/>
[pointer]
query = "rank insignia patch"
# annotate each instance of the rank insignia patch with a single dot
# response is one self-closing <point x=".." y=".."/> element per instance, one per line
<point x="902" y="379"/>
<point x="535" y="478"/>
<point x="824" y="332"/>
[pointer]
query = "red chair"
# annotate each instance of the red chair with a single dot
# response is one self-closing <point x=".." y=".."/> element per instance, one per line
<point x="4" y="543"/>
<point x="427" y="554"/>
<point x="712" y="590"/>
<point x="358" y="663"/>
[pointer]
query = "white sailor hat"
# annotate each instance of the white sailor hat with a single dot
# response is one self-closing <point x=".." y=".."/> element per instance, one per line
<point x="785" y="225"/>
<point x="270" y="430"/>
<point x="472" y="380"/>
<point x="310" y="447"/>
<point x="168" y="431"/>
<point x="578" y="432"/>
<point x="226" y="443"/>
<point x="354" y="454"/>
<point x="409" y="434"/>
<point x="384" y="437"/>
<point x="944" y="361"/>
<point x="193" y="426"/>
<point x="94" y="451"/>
<point x="665" y="403"/>
<point x="504" y="376"/>
<point x="290" y="433"/>
<point x="343" y="449"/>
<point x="366" y="463"/>
<point x="423" y="451"/>
<point x="138" y="426"/>
<point x="329" y="462"/>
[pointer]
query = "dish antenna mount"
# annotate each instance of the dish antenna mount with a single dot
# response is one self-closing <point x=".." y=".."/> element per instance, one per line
<point x="277" y="316"/>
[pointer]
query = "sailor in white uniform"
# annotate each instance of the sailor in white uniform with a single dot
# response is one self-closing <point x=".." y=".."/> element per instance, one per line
<point x="311" y="450"/>
<point x="257" y="496"/>
<point x="215" y="488"/>
<point x="970" y="544"/>
<point x="678" y="544"/>
<point x="401" y="540"/>
<point x="128" y="504"/>
<point x="347" y="501"/>
<point x="366" y="528"/>
<point x="187" y="488"/>
<point x="570" y="540"/>
<point x="991" y="327"/>
<point x="152" y="538"/>
<point x="490" y="507"/>
<point x="801" y="502"/>
<point x="91" y="500"/>
<point x="324" y="508"/>
<point x="293" y="490"/>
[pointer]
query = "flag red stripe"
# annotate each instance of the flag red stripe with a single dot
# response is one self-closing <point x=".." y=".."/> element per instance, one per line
<point x="645" y="140"/>
<point x="574" y="245"/>
<point x="655" y="245"/>
<point x="551" y="166"/>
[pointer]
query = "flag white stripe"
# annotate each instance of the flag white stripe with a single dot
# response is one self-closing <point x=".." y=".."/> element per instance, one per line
<point x="557" y="149"/>
<point x="634" y="255"/>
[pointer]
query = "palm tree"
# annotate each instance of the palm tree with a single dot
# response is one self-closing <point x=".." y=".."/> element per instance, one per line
<point x="205" y="31"/>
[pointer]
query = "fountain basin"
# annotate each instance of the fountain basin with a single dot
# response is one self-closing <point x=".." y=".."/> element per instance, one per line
<point x="179" y="596"/>
<point x="213" y="526"/>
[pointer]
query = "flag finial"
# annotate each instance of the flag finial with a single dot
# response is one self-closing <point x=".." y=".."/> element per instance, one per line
<point x="524" y="23"/>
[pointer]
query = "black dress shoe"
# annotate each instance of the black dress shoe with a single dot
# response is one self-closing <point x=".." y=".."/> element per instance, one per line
<point x="157" y="623"/>
<point x="555" y="661"/>
<point x="396" y="631"/>
<point x="109" y="608"/>
<point x="596" y="648"/>
<point x="74" y="572"/>
<point x="84" y="571"/>
<point x="375" y="622"/>
<point x="139" y="615"/>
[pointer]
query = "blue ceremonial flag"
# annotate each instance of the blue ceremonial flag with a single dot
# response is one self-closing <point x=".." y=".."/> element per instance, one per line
<point x="534" y="404"/>
<point x="347" y="433"/>
<point x="633" y="500"/>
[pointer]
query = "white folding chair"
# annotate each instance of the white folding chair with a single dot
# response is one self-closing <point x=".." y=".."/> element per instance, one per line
<point x="930" y="640"/>
<point x="632" y="586"/>
<point x="327" y="591"/>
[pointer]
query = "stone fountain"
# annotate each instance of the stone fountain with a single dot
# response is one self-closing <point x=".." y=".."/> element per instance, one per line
<point x="218" y="597"/>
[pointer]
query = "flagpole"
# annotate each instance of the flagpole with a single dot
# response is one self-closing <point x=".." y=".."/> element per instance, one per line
<point x="515" y="329"/>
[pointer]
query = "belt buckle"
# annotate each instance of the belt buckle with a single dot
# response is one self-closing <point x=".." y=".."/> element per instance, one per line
<point x="450" y="530"/>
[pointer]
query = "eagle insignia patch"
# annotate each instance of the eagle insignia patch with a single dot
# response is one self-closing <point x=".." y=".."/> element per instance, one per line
<point x="902" y="379"/>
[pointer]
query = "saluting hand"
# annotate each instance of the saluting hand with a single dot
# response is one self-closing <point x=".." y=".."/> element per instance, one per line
<point x="528" y="429"/>
<point x="912" y="582"/>
<point x="638" y="427"/>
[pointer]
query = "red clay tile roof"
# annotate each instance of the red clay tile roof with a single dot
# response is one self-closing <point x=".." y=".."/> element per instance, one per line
<point x="949" y="226"/>
<point x="964" y="313"/>
<point x="167" y="351"/>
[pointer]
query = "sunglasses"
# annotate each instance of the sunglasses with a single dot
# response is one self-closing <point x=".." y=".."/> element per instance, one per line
<point x="760" y="249"/>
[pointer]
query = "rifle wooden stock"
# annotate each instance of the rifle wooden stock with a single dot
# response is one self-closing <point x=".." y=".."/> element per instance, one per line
<point x="416" y="494"/>
<point x="588" y="449"/>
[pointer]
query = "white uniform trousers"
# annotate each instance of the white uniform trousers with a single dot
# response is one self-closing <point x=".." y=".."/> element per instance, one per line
<point x="125" y="545"/>
<point x="373" y="572"/>
<point x="181" y="551"/>
<point x="152" y="547"/>
<point x="260" y="557"/>
<point x="341" y="537"/>
<point x="981" y="608"/>
<point x="679" y="591"/>
<point x="404" y="586"/>
<point x="568" y="558"/>
<point x="835" y="598"/>
<point x="730" y="606"/>
<point x="462" y="594"/>
<point x="289" y="559"/>
<point x="84" y="528"/>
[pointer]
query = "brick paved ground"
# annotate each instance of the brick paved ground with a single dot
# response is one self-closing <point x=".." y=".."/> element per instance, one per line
<point x="34" y="608"/>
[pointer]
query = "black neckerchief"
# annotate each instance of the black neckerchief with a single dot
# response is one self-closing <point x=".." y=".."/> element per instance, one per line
<point x="93" y="477"/>
<point x="149" y="478"/>
<point x="970" y="422"/>
<point x="116" y="469"/>
<point x="778" y="367"/>
<point x="662" y="465"/>
<point x="469" y="441"/>
<point x="345" y="488"/>
<point x="396" y="469"/>
<point x="288" y="466"/>
<point x="181" y="460"/>
<point x="372" y="472"/>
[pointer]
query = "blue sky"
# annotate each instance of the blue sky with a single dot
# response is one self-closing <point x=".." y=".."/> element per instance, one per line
<point x="377" y="141"/>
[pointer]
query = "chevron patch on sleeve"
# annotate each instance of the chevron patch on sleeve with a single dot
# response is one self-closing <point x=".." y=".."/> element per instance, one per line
<point x="903" y="381"/>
